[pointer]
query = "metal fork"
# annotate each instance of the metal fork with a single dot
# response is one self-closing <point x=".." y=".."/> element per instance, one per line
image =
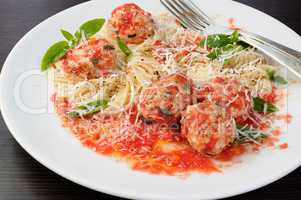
<point x="192" y="17"/>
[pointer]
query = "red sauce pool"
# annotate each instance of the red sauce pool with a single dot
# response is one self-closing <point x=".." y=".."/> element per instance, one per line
<point x="231" y="153"/>
<point x="146" y="148"/>
<point x="283" y="146"/>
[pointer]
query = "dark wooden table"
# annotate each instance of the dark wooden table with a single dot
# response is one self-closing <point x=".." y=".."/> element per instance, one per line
<point x="23" y="178"/>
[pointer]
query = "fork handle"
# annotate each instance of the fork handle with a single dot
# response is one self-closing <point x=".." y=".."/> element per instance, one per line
<point x="282" y="56"/>
<point x="272" y="44"/>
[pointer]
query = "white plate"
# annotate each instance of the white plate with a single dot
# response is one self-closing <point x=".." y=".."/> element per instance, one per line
<point x="41" y="135"/>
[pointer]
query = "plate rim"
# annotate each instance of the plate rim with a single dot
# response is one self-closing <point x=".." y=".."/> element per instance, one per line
<point x="129" y="194"/>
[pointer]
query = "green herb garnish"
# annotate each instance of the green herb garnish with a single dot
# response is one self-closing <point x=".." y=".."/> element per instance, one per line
<point x="260" y="105"/>
<point x="89" y="108"/>
<point x="222" y="43"/>
<point x="68" y="36"/>
<point x="123" y="47"/>
<point x="276" y="78"/>
<point x="54" y="53"/>
<point x="220" y="40"/>
<point x="78" y="36"/>
<point x="247" y="134"/>
<point x="91" y="27"/>
<point x="59" y="49"/>
<point x="215" y="53"/>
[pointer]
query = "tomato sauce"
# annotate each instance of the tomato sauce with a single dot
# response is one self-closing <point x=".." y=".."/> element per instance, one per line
<point x="231" y="153"/>
<point x="276" y="132"/>
<point x="149" y="150"/>
<point x="283" y="146"/>
<point x="270" y="141"/>
<point x="147" y="147"/>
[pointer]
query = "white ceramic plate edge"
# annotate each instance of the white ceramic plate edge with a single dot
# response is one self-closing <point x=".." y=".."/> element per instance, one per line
<point x="36" y="156"/>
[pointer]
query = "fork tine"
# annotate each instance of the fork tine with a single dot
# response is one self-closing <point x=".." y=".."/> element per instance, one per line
<point x="199" y="12"/>
<point x="182" y="15"/>
<point x="176" y="14"/>
<point x="195" y="13"/>
<point x="169" y="4"/>
<point x="193" y="16"/>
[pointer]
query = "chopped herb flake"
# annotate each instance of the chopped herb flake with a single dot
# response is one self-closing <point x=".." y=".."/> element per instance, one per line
<point x="89" y="108"/>
<point x="221" y="43"/>
<point x="246" y="134"/>
<point x="123" y="47"/>
<point x="276" y="78"/>
<point x="260" y="105"/>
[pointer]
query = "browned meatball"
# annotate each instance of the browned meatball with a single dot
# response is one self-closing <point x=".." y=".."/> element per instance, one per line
<point x="228" y="93"/>
<point x="131" y="23"/>
<point x="90" y="59"/>
<point x="208" y="127"/>
<point x="164" y="100"/>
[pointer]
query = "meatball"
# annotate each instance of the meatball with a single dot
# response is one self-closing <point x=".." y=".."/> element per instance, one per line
<point x="228" y="93"/>
<point x="89" y="59"/>
<point x="208" y="127"/>
<point x="164" y="100"/>
<point x="131" y="24"/>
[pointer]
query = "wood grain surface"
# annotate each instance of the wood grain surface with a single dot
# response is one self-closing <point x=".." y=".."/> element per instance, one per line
<point x="23" y="178"/>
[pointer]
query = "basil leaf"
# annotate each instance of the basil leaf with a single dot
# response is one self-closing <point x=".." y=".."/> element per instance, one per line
<point x="271" y="74"/>
<point x="259" y="105"/>
<point x="123" y="47"/>
<point x="246" y="134"/>
<point x="222" y="43"/>
<point x="215" y="41"/>
<point x="215" y="53"/>
<point x="78" y="36"/>
<point x="234" y="37"/>
<point x="276" y="78"/>
<point x="220" y="40"/>
<point x="59" y="49"/>
<point x="91" y="27"/>
<point x="89" y="108"/>
<point x="55" y="52"/>
<point x="67" y="35"/>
